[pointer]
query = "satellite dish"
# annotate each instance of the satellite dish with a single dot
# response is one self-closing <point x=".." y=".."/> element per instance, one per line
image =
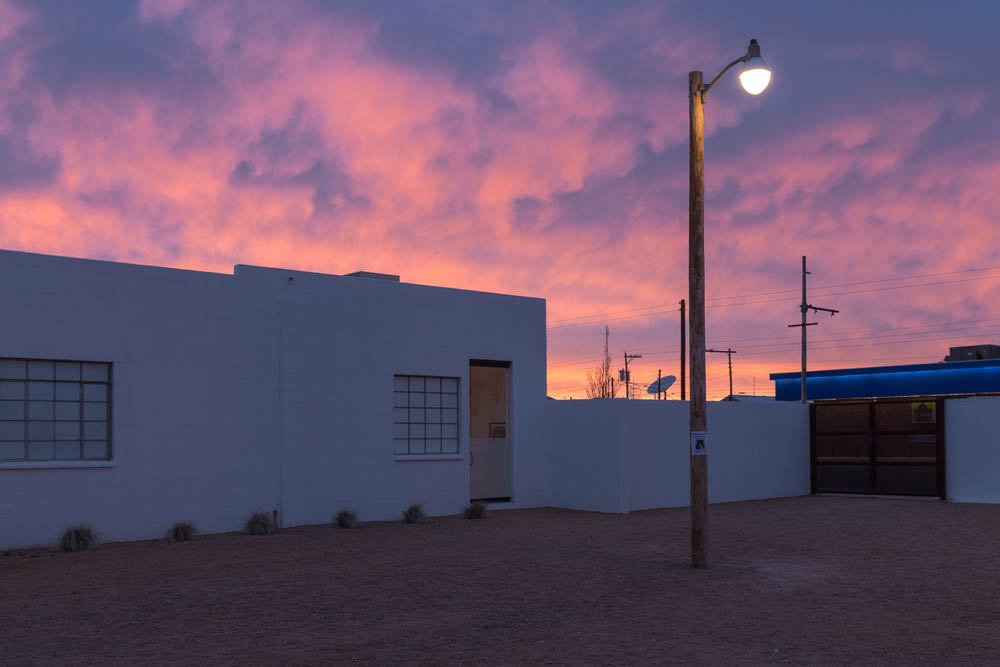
<point x="661" y="385"/>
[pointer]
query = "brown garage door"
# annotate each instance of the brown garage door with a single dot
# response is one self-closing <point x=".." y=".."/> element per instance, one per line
<point x="885" y="446"/>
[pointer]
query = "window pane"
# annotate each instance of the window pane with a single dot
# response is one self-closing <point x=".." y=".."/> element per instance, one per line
<point x="449" y="446"/>
<point x="400" y="431"/>
<point x="41" y="390"/>
<point x="433" y="384"/>
<point x="68" y="450"/>
<point x="449" y="430"/>
<point x="416" y="415"/>
<point x="416" y="431"/>
<point x="433" y="446"/>
<point x="416" y="446"/>
<point x="12" y="390"/>
<point x="449" y="384"/>
<point x="400" y="415"/>
<point x="433" y="430"/>
<point x="416" y="384"/>
<point x="399" y="399"/>
<point x="11" y="450"/>
<point x="41" y="410"/>
<point x="12" y="369"/>
<point x="40" y="430"/>
<point x="401" y="447"/>
<point x="72" y="410"/>
<point x="95" y="372"/>
<point x="68" y="431"/>
<point x="95" y="411"/>
<point x="95" y="450"/>
<point x="399" y="383"/>
<point x="433" y="400"/>
<point x="449" y="400"/>
<point x="95" y="392"/>
<point x="67" y="391"/>
<point x="433" y="415"/>
<point x="449" y="416"/>
<point x="11" y="409"/>
<point x="12" y="431"/>
<point x="40" y="370"/>
<point x="67" y="370"/>
<point x="95" y="430"/>
<point x="41" y="450"/>
<point x="416" y="400"/>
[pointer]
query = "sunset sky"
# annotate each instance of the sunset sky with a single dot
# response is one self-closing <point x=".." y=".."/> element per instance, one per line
<point x="535" y="148"/>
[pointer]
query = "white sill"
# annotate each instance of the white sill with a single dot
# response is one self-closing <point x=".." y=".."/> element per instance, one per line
<point x="42" y="465"/>
<point x="427" y="457"/>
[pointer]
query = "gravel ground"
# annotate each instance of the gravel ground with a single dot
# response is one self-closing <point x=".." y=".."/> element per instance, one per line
<point x="803" y="581"/>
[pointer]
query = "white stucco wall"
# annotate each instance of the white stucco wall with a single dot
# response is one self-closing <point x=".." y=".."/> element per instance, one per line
<point x="972" y="449"/>
<point x="236" y="393"/>
<point x="620" y="456"/>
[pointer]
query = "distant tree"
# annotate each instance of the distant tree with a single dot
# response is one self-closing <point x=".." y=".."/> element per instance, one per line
<point x="600" y="383"/>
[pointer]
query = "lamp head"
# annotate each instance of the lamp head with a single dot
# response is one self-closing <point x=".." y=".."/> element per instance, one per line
<point x="755" y="74"/>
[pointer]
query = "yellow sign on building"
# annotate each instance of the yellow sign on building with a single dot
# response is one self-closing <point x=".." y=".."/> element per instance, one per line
<point x="923" y="412"/>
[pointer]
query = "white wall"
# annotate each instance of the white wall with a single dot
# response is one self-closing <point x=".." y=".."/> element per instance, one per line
<point x="236" y="393"/>
<point x="620" y="456"/>
<point x="192" y="403"/>
<point x="972" y="449"/>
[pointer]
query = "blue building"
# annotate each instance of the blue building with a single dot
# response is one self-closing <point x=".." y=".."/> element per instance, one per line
<point x="937" y="379"/>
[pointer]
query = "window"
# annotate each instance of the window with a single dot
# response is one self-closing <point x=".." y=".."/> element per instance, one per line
<point x="425" y="414"/>
<point x="54" y="410"/>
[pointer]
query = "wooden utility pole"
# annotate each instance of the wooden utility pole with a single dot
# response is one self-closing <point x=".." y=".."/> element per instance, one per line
<point x="628" y="358"/>
<point x="683" y="349"/>
<point x="730" y="354"/>
<point x="805" y="308"/>
<point x="696" y="296"/>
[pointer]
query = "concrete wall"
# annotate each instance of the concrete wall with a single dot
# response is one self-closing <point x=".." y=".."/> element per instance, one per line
<point x="620" y="456"/>
<point x="263" y="390"/>
<point x="972" y="449"/>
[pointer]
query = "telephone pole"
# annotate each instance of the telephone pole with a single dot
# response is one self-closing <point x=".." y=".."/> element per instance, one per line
<point x="805" y="308"/>
<point x="730" y="354"/>
<point x="628" y="385"/>
<point x="683" y="348"/>
<point x="607" y="363"/>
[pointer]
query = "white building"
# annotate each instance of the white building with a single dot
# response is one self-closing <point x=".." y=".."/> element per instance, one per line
<point x="132" y="397"/>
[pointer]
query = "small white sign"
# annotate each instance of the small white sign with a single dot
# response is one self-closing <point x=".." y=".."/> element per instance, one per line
<point x="699" y="443"/>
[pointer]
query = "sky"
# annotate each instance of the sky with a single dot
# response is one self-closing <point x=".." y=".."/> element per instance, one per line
<point x="535" y="148"/>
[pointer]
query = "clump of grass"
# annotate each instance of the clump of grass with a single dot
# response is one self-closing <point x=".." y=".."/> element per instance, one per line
<point x="346" y="518"/>
<point x="414" y="513"/>
<point x="78" y="538"/>
<point x="261" y="523"/>
<point x="475" y="510"/>
<point x="182" y="531"/>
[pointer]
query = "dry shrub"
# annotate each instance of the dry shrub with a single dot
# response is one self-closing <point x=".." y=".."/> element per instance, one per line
<point x="475" y="510"/>
<point x="78" y="538"/>
<point x="346" y="518"/>
<point x="414" y="514"/>
<point x="182" y="531"/>
<point x="261" y="523"/>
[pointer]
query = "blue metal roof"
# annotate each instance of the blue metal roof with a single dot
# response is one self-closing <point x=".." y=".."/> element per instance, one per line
<point x="958" y="377"/>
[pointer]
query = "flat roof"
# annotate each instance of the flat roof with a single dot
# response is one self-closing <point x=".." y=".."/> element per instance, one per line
<point x="909" y="368"/>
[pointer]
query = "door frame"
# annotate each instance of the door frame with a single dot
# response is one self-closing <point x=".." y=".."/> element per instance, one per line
<point x="494" y="363"/>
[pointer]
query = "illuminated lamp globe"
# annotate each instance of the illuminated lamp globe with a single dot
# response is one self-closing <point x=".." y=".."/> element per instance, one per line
<point x="755" y="74"/>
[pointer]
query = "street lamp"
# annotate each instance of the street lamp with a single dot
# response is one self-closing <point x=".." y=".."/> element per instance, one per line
<point x="754" y="77"/>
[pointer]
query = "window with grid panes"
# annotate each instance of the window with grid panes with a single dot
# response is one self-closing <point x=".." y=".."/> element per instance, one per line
<point x="54" y="410"/>
<point x="425" y="414"/>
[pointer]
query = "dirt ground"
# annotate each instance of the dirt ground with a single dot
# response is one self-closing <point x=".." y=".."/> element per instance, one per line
<point x="803" y="581"/>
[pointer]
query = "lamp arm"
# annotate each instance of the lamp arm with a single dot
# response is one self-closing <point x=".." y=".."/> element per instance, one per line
<point x="705" y="89"/>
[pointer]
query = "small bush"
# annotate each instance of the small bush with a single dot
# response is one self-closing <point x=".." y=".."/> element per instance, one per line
<point x="261" y="523"/>
<point x="182" y="531"/>
<point x="475" y="510"/>
<point x="78" y="538"/>
<point x="414" y="514"/>
<point x="346" y="518"/>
